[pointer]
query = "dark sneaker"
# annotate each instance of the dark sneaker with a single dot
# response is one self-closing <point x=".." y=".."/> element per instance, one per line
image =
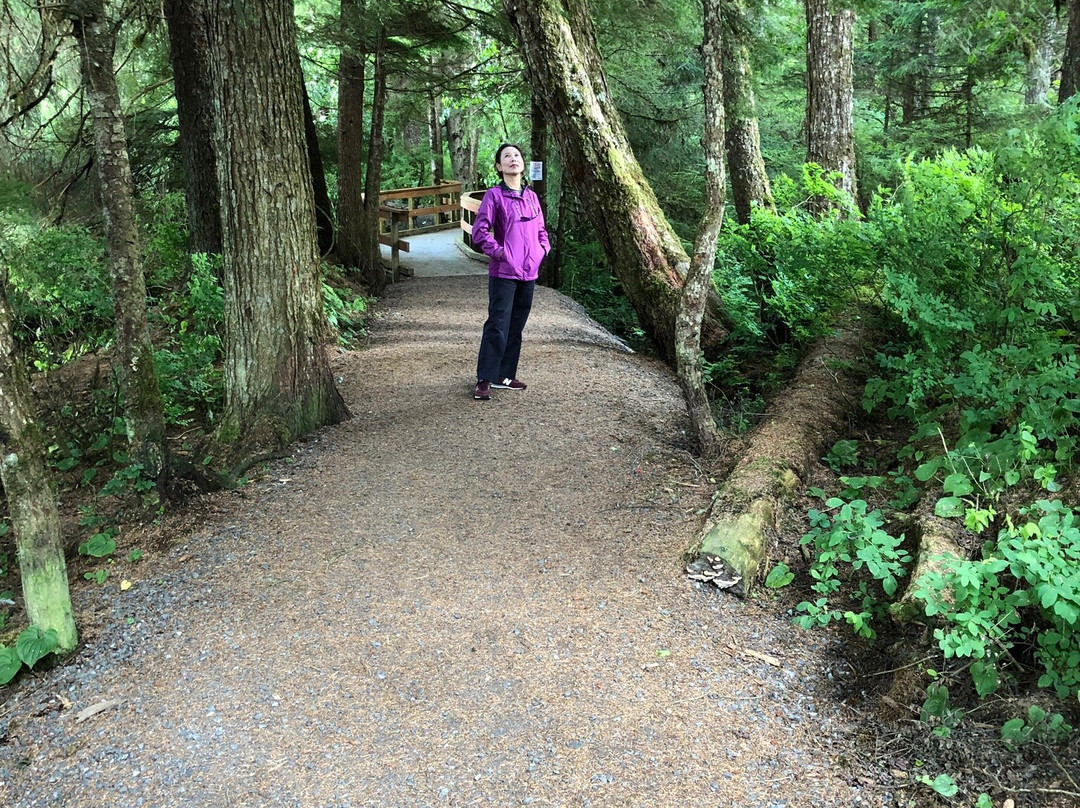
<point x="509" y="384"/>
<point x="482" y="391"/>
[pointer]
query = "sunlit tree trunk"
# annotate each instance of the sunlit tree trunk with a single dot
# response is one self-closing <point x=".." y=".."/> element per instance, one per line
<point x="31" y="497"/>
<point x="133" y="354"/>
<point x="699" y="277"/>
<point x="351" y="233"/>
<point x="1070" y="63"/>
<point x="190" y="62"/>
<point x="278" y="384"/>
<point x="829" y="93"/>
<point x="562" y="64"/>
<point x="749" y="182"/>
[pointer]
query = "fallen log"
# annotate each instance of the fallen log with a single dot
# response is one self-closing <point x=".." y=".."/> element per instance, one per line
<point x="805" y="420"/>
<point x="937" y="544"/>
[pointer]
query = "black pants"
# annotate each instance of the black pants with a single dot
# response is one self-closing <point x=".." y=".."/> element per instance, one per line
<point x="509" y="304"/>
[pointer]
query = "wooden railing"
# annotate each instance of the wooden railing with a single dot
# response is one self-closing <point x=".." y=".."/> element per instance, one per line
<point x="410" y="211"/>
<point x="470" y="206"/>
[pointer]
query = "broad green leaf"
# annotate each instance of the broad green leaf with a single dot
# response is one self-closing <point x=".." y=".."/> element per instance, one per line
<point x="957" y="484"/>
<point x="985" y="678"/>
<point x="949" y="507"/>
<point x="9" y="664"/>
<point x="779" y="577"/>
<point x="34" y="643"/>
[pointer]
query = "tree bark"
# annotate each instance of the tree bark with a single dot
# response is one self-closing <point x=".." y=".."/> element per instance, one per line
<point x="457" y="143"/>
<point x="829" y="92"/>
<point x="810" y="417"/>
<point x="371" y="261"/>
<point x="31" y="497"/>
<point x="351" y="234"/>
<point x="278" y="384"/>
<point x="324" y="220"/>
<point x="563" y="68"/>
<point x="1070" y="62"/>
<point x="1039" y="56"/>
<point x="749" y="183"/>
<point x="435" y="139"/>
<point x="699" y="277"/>
<point x="190" y="60"/>
<point x="133" y="355"/>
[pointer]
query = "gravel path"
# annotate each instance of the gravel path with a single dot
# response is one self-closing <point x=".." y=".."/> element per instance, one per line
<point x="445" y="602"/>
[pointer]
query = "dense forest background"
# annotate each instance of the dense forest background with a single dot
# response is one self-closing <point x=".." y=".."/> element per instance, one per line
<point x="901" y="174"/>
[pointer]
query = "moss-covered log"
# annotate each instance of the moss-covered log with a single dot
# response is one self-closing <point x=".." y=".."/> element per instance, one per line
<point x="935" y="542"/>
<point x="810" y="415"/>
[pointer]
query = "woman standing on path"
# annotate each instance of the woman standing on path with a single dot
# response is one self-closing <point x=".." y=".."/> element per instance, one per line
<point x="509" y="229"/>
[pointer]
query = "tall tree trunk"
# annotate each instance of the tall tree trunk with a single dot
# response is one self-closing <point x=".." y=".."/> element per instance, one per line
<point x="324" y="220"/>
<point x="278" y="384"/>
<point x="749" y="182"/>
<point x="190" y="60"/>
<point x="563" y="68"/>
<point x="370" y="260"/>
<point x="351" y="139"/>
<point x="31" y="497"/>
<point x="435" y="139"/>
<point x="133" y="355"/>
<point x="1070" y="62"/>
<point x="829" y="93"/>
<point x="457" y="143"/>
<point x="538" y="153"/>
<point x="1039" y="56"/>
<point x="699" y="277"/>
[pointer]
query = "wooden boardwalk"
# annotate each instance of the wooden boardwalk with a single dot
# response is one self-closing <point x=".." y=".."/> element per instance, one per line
<point x="437" y="255"/>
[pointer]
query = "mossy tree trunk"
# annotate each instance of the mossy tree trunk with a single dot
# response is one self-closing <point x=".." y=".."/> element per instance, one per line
<point x="699" y="276"/>
<point x="31" y="497"/>
<point x="133" y="355"/>
<point x="278" y="384"/>
<point x="798" y="429"/>
<point x="562" y="64"/>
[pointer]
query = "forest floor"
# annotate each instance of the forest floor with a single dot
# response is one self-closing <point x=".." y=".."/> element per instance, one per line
<point x="451" y="602"/>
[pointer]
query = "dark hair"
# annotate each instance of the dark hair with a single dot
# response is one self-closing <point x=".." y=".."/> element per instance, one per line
<point x="499" y="151"/>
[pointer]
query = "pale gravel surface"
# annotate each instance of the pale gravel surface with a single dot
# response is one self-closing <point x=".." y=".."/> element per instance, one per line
<point x="445" y="602"/>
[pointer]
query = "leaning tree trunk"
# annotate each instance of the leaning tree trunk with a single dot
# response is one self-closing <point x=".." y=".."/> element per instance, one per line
<point x="749" y="183"/>
<point x="829" y="92"/>
<point x="278" y="384"/>
<point x="1070" y="62"/>
<point x="798" y="429"/>
<point x="133" y="355"/>
<point x="351" y="138"/>
<point x="324" y="219"/>
<point x="370" y="259"/>
<point x="190" y="62"/>
<point x="31" y="497"/>
<point x="562" y="64"/>
<point x="699" y="277"/>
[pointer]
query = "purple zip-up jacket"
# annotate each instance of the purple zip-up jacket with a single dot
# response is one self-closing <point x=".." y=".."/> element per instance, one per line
<point x="509" y="229"/>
